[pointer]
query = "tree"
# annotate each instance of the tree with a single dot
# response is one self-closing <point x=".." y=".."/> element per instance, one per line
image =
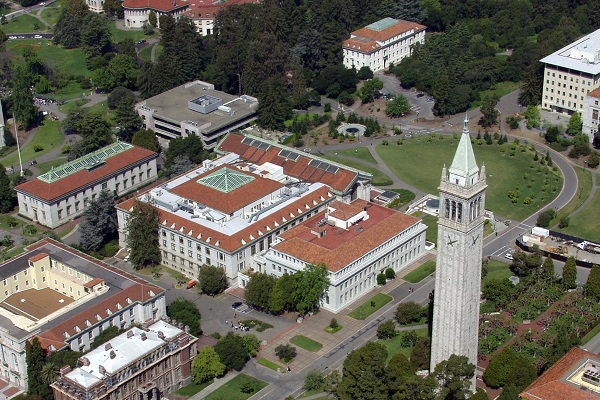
<point x="142" y="235"/>
<point x="575" y="124"/>
<point x="510" y="392"/>
<point x="152" y="20"/>
<point x="498" y="291"/>
<point x="386" y="330"/>
<point x="21" y="96"/>
<point x="552" y="134"/>
<point x="93" y="129"/>
<point x="509" y="367"/>
<point x="331" y="382"/>
<point x="363" y="375"/>
<point x="232" y="351"/>
<point x="455" y="376"/>
<point x="274" y="105"/>
<point x="9" y="139"/>
<point x="146" y="138"/>
<point x="309" y="286"/>
<point x="480" y="394"/>
<point x="397" y="370"/>
<point x="533" y="116"/>
<point x="381" y="279"/>
<point x="207" y="365"/>
<point x="8" y="199"/>
<point x="285" y="352"/>
<point x="408" y="312"/>
<point x="259" y="289"/>
<point x="34" y="356"/>
<point x="390" y="273"/>
<point x="100" y="222"/>
<point x="592" y="285"/>
<point x="490" y="114"/>
<point x="548" y="268"/>
<point x="127" y="120"/>
<point x="545" y="218"/>
<point x="397" y="106"/>
<point x="117" y="95"/>
<point x="364" y="73"/>
<point x="109" y="333"/>
<point x="49" y="373"/>
<point x="569" y="277"/>
<point x="189" y="146"/>
<point x="367" y="92"/>
<point x="252" y="344"/>
<point x="314" y="380"/>
<point x="419" y="357"/>
<point x="186" y="312"/>
<point x="213" y="280"/>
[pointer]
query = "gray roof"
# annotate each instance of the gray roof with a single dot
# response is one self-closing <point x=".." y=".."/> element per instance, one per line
<point x="582" y="55"/>
<point x="464" y="163"/>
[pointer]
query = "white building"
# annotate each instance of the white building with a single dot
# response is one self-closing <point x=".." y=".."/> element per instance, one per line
<point x="591" y="114"/>
<point x="382" y="43"/>
<point x="136" y="12"/>
<point x="233" y="207"/>
<point x="65" y="299"/>
<point x="61" y="194"/>
<point x="202" y="13"/>
<point x="355" y="241"/>
<point x="460" y="249"/>
<point x="571" y="73"/>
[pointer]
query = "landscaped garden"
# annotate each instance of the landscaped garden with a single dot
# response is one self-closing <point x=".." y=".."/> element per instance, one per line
<point x="306" y="343"/>
<point x="269" y="364"/>
<point x="421" y="272"/>
<point x="241" y="387"/>
<point x="584" y="223"/>
<point x="400" y="343"/>
<point x="370" y="306"/>
<point x="518" y="185"/>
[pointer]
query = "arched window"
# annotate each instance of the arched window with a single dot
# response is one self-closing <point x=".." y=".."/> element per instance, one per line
<point x="459" y="214"/>
<point x="447" y="208"/>
<point x="453" y="210"/>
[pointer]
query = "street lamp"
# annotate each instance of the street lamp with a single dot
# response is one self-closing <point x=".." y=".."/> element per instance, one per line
<point x="417" y="117"/>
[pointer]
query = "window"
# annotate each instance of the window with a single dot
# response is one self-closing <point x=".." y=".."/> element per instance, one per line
<point x="25" y="272"/>
<point x="27" y="282"/>
<point x="68" y="210"/>
<point x="15" y="277"/>
<point x="104" y="185"/>
<point x="164" y="242"/>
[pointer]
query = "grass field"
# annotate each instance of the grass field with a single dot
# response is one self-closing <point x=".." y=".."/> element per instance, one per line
<point x="361" y="153"/>
<point x="306" y="343"/>
<point x="48" y="136"/>
<point x="584" y="190"/>
<point x="146" y="53"/>
<point x="497" y="270"/>
<point x="193" y="388"/>
<point x="232" y="390"/>
<point x="379" y="178"/>
<point x="367" y="308"/>
<point x="69" y="61"/>
<point x="432" y="228"/>
<point x="269" y="364"/>
<point x="72" y="91"/>
<point x="118" y="34"/>
<point x="394" y="345"/>
<point x="23" y="24"/>
<point x="507" y="170"/>
<point x="5" y="219"/>
<point x="47" y="166"/>
<point x="50" y="15"/>
<point x="71" y="105"/>
<point x="590" y="334"/>
<point x="584" y="224"/>
<point x="501" y="89"/>
<point x="421" y="272"/>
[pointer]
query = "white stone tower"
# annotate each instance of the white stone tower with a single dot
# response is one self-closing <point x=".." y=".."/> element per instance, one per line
<point x="458" y="271"/>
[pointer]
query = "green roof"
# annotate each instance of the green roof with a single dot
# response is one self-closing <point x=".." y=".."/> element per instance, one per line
<point x="86" y="162"/>
<point x="382" y="24"/>
<point x="464" y="163"/>
<point x="225" y="180"/>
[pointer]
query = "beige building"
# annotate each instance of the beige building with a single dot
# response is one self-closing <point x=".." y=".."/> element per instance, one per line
<point x="382" y="43"/>
<point x="570" y="74"/>
<point x="591" y="114"/>
<point x="61" y="194"/>
<point x="142" y="363"/>
<point x="136" y="12"/>
<point x="203" y="13"/>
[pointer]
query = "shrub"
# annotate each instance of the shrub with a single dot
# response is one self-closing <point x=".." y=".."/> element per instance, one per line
<point x="333" y="324"/>
<point x="37" y="148"/>
<point x="314" y="380"/>
<point x="386" y="330"/>
<point x="408" y="312"/>
<point x="545" y="217"/>
<point x="564" y="222"/>
<point x="390" y="273"/>
<point x="285" y="352"/>
<point x="381" y="279"/>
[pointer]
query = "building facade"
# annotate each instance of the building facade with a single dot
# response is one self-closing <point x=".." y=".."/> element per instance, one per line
<point x="203" y="14"/>
<point x="382" y="43"/>
<point x="459" y="254"/>
<point x="65" y="299"/>
<point x="591" y="114"/>
<point x="196" y="108"/>
<point x="136" y="12"/>
<point x="354" y="241"/>
<point x="142" y="363"/>
<point x="570" y="74"/>
<point x="61" y="194"/>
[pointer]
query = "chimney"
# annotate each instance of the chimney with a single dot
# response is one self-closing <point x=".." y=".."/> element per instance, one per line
<point x="107" y="346"/>
<point x="112" y="354"/>
<point x="102" y="370"/>
<point x="65" y="370"/>
<point x="129" y="334"/>
<point x="187" y="329"/>
<point x="161" y="335"/>
<point x="180" y="325"/>
<point x="143" y="336"/>
<point x="84" y="361"/>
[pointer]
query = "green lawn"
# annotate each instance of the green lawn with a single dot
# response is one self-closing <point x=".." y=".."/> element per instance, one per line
<point x="269" y="364"/>
<point x="361" y="153"/>
<point x="232" y="389"/>
<point x="5" y="219"/>
<point x="421" y="272"/>
<point x="590" y="334"/>
<point x="48" y="136"/>
<point x="146" y="53"/>
<point x="366" y="308"/>
<point x="306" y="343"/>
<point x="118" y="34"/>
<point x="497" y="270"/>
<point x="23" y="24"/>
<point x="193" y="388"/>
<point x="73" y="104"/>
<point x="584" y="224"/>
<point x="379" y="178"/>
<point x="419" y="163"/>
<point x="432" y="228"/>
<point x="70" y="61"/>
<point x="72" y="91"/>
<point x="50" y="15"/>
<point x="47" y="166"/>
<point x="394" y="345"/>
<point x="584" y="189"/>
<point x="501" y="89"/>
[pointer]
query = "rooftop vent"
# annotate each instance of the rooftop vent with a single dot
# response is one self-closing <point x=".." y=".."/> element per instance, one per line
<point x="129" y="334"/>
<point x="112" y="354"/>
<point x="102" y="370"/>
<point x="161" y="335"/>
<point x="107" y="346"/>
<point x="85" y="361"/>
<point x="143" y="336"/>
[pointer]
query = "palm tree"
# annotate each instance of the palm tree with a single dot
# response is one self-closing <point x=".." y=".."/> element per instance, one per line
<point x="49" y="373"/>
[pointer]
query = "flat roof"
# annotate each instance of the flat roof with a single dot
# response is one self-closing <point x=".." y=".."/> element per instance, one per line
<point x="339" y="247"/>
<point x="386" y="29"/>
<point x="36" y="304"/>
<point x="208" y="10"/>
<point x="581" y="55"/>
<point x="173" y="105"/>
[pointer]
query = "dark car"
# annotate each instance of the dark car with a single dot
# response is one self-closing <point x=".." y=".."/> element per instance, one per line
<point x="236" y="304"/>
<point x="420" y="94"/>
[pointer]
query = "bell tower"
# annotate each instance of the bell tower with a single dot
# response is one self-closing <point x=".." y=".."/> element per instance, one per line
<point x="459" y="254"/>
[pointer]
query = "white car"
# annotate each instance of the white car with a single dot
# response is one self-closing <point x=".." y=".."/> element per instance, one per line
<point x="37" y="37"/>
<point x="509" y="255"/>
<point x="126" y="258"/>
<point x="12" y="37"/>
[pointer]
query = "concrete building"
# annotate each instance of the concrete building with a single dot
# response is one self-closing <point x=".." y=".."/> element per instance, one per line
<point x="136" y="12"/>
<point x="233" y="207"/>
<point x="460" y="249"/>
<point x="142" y="363"/>
<point x="591" y="114"/>
<point x="202" y="13"/>
<point x="65" y="299"/>
<point x="61" y="194"/>
<point x="382" y="43"/>
<point x="196" y="108"/>
<point x="571" y="73"/>
<point x="355" y="241"/>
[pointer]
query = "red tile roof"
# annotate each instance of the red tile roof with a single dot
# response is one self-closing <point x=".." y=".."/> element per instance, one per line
<point x="38" y="257"/>
<point x="340" y="181"/>
<point x="595" y="93"/>
<point x="552" y="385"/>
<point x="227" y="202"/>
<point x="158" y="5"/>
<point x="93" y="283"/>
<point x="339" y="247"/>
<point x="366" y="46"/>
<point x="255" y="230"/>
<point x="388" y="33"/>
<point x="80" y="179"/>
<point x="200" y="8"/>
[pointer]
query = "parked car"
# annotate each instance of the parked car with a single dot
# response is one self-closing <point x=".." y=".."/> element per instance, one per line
<point x="236" y="304"/>
<point x="37" y="37"/>
<point x="509" y="255"/>
<point x="421" y="94"/>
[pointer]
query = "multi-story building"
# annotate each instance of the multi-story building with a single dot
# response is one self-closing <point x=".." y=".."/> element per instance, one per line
<point x="382" y="43"/>
<point x="136" y="12"/>
<point x="203" y="13"/>
<point x="65" y="299"/>
<point x="354" y="241"/>
<point x="571" y="73"/>
<point x="61" y="194"/>
<point x="142" y="363"/>
<point x="233" y="207"/>
<point x="196" y="108"/>
<point x="591" y="114"/>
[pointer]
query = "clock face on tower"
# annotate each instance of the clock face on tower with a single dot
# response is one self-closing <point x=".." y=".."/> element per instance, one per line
<point x="474" y="239"/>
<point x="451" y="241"/>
